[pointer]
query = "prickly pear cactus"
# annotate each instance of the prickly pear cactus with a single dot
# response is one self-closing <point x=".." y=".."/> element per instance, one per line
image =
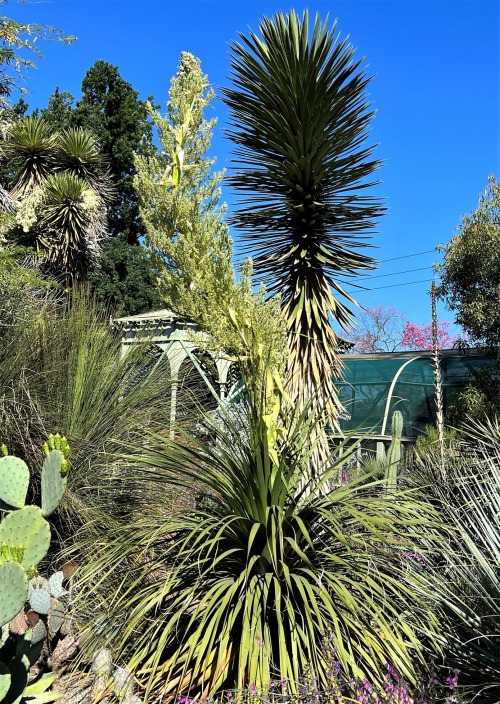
<point x="54" y="473"/>
<point x="13" y="590"/>
<point x="56" y="585"/>
<point x="27" y="531"/>
<point x="24" y="542"/>
<point x="14" y="481"/>
<point x="40" y="601"/>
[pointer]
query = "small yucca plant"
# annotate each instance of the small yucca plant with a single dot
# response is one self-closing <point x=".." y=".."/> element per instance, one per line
<point x="72" y="225"/>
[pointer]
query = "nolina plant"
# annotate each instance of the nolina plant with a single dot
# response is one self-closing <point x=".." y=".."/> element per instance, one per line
<point x="240" y="587"/>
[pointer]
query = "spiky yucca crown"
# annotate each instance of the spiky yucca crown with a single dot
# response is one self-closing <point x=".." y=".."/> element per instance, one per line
<point x="299" y="120"/>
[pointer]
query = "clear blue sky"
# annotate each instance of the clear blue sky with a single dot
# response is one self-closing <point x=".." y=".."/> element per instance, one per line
<point x="436" y="91"/>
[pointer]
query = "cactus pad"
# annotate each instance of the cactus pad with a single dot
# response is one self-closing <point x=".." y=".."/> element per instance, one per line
<point x="56" y="585"/>
<point x="38" y="583"/>
<point x="69" y="569"/>
<point x="27" y="527"/>
<point x="32" y="618"/>
<point x="57" y="614"/>
<point x="40" y="601"/>
<point x="19" y="625"/>
<point x="14" y="480"/>
<point x="39" y="634"/>
<point x="13" y="590"/>
<point x="54" y="481"/>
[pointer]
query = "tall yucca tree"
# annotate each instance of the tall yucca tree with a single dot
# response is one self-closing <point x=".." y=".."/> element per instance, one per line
<point x="60" y="190"/>
<point x="299" y="119"/>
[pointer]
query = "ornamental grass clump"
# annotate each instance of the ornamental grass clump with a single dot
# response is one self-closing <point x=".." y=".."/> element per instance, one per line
<point x="468" y="584"/>
<point x="63" y="370"/>
<point x="241" y="587"/>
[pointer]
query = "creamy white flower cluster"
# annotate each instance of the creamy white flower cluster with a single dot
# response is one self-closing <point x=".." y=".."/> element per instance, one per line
<point x="90" y="200"/>
<point x="26" y="215"/>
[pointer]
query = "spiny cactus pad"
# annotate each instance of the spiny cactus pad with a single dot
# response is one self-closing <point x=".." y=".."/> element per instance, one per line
<point x="56" y="617"/>
<point x="19" y="625"/>
<point x="54" y="481"/>
<point x="56" y="585"/>
<point x="40" y="601"/>
<point x="13" y="590"/>
<point x="27" y="527"/>
<point x="39" y="634"/>
<point x="38" y="583"/>
<point x="14" y="480"/>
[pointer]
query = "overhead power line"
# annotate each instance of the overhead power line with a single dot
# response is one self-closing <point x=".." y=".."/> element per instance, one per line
<point x="406" y="256"/>
<point x="377" y="288"/>
<point x="396" y="273"/>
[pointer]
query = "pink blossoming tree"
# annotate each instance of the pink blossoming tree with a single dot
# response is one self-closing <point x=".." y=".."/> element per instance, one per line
<point x="385" y="329"/>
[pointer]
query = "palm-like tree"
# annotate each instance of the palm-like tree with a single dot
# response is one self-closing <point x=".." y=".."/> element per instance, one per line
<point x="61" y="187"/>
<point x="300" y="118"/>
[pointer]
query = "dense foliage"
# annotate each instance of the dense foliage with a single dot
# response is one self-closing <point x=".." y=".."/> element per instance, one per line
<point x="470" y="285"/>
<point x="126" y="278"/>
<point x="242" y="586"/>
<point x="110" y="108"/>
<point x="470" y="273"/>
<point x="215" y="563"/>
<point x="468" y="501"/>
<point x="61" y="370"/>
